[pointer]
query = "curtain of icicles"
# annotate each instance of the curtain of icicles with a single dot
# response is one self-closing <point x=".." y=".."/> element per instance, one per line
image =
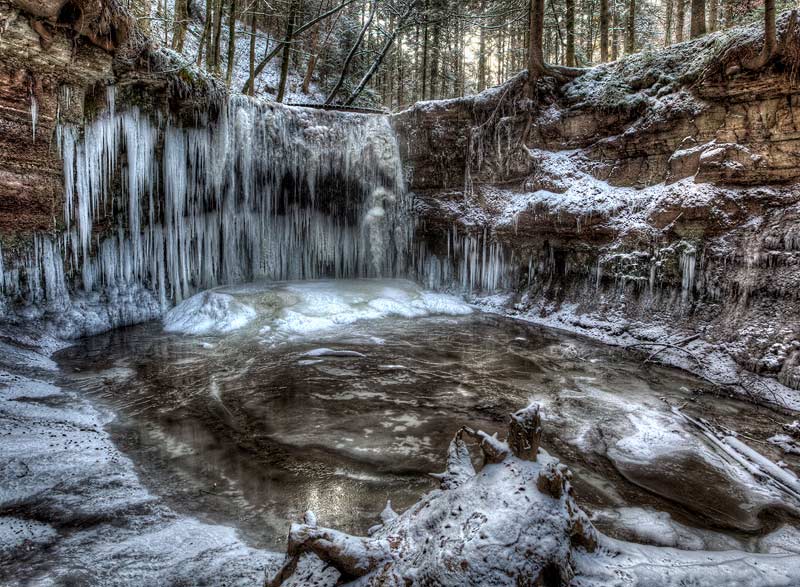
<point x="473" y="263"/>
<point x="264" y="192"/>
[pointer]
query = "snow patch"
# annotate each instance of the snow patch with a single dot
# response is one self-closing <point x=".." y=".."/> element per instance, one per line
<point x="208" y="313"/>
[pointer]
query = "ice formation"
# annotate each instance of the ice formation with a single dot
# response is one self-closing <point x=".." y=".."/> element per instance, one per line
<point x="292" y="310"/>
<point x="473" y="263"/>
<point x="34" y="116"/>
<point x="264" y="191"/>
<point x="208" y="313"/>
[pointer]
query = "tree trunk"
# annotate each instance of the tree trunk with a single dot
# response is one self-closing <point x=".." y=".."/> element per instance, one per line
<point x="251" y="91"/>
<point x="179" y="24"/>
<point x="680" y="21"/>
<point x="603" y="31"/>
<point x="435" y="58"/>
<point x="312" y="60"/>
<point x="615" y="33"/>
<point x="425" y="55"/>
<point x="287" y="51"/>
<point x="536" y="50"/>
<point x="570" y="57"/>
<point x="352" y="54"/>
<point x="668" y="28"/>
<point x="630" y="39"/>
<point x="231" y="43"/>
<point x="713" y="15"/>
<point x="482" y="54"/>
<point x="589" y="22"/>
<point x="698" y="18"/>
<point x="770" y="47"/>
<point x="729" y="13"/>
<point x="204" y="37"/>
<point x="215" y="59"/>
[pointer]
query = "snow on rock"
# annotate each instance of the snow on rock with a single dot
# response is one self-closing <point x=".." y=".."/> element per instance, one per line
<point x="648" y="526"/>
<point x="208" y="313"/>
<point x="623" y="564"/>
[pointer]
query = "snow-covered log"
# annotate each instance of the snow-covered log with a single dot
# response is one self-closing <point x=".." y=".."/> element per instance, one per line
<point x="493" y="527"/>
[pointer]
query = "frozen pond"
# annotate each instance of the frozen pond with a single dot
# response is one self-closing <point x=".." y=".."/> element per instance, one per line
<point x="264" y="401"/>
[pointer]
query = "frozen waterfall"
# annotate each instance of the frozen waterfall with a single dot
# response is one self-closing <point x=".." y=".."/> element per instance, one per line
<point x="263" y="191"/>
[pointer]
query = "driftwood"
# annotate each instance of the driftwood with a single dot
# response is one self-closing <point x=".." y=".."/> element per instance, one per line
<point x="458" y="534"/>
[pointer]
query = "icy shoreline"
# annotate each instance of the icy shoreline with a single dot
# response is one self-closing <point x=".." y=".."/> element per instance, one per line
<point x="72" y="508"/>
<point x="718" y="366"/>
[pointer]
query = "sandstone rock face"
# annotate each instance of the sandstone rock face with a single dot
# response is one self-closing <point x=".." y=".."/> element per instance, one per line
<point x="38" y="86"/>
<point x="653" y="191"/>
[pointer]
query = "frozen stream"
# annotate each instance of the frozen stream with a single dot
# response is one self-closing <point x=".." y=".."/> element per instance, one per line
<point x="264" y="401"/>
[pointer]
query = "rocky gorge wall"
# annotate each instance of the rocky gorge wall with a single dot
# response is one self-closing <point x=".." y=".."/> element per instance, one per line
<point x="654" y="199"/>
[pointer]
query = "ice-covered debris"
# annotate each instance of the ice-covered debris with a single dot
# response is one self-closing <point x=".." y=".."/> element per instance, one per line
<point x="788" y="444"/>
<point x="388" y="514"/>
<point x="500" y="526"/>
<point x="326" y="352"/>
<point x="310" y="518"/>
<point x="208" y="313"/>
<point x="517" y="522"/>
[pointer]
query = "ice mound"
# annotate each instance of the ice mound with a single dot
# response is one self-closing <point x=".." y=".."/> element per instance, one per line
<point x="208" y="313"/>
<point x="327" y="305"/>
<point x="293" y="310"/>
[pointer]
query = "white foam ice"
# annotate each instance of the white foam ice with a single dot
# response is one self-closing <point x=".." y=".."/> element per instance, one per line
<point x="294" y="310"/>
<point x="208" y="313"/>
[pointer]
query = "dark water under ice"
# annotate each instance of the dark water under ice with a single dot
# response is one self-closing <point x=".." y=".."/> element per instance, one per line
<point x="251" y="432"/>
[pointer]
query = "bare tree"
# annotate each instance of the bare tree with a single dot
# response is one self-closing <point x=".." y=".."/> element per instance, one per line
<point x="713" y="15"/>
<point x="352" y="54"/>
<point x="570" y="16"/>
<point x="382" y="55"/>
<point x="215" y="58"/>
<point x="630" y="39"/>
<point x="231" y="43"/>
<point x="287" y="50"/>
<point x="252" y="60"/>
<point x="535" y="50"/>
<point x="698" y="28"/>
<point x="603" y="30"/>
<point x="284" y="42"/>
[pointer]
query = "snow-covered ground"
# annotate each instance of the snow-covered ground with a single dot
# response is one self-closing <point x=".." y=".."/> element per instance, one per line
<point x="72" y="509"/>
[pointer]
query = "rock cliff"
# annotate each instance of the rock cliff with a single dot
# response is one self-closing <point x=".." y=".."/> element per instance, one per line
<point x="651" y="199"/>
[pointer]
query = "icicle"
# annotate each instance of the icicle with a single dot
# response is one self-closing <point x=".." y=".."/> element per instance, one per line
<point x="34" y="115"/>
<point x="688" y="261"/>
<point x="235" y="200"/>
